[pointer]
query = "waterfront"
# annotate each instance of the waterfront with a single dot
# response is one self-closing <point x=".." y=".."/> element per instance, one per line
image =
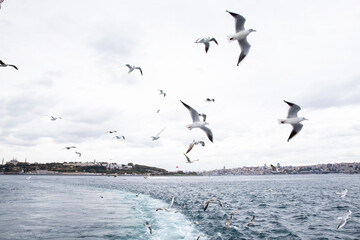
<point x="70" y="207"/>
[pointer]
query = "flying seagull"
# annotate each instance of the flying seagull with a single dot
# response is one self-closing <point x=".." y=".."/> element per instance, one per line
<point x="147" y="224"/>
<point x="78" y="153"/>
<point x="111" y="132"/>
<point x="209" y="100"/>
<point x="344" y="219"/>
<point x="157" y="135"/>
<point x="2" y="64"/>
<point x="211" y="200"/>
<point x="240" y="35"/>
<point x="68" y="148"/>
<point x="193" y="144"/>
<point x="161" y="92"/>
<point x="169" y="207"/>
<point x="132" y="68"/>
<point x="251" y="221"/>
<point x="206" y="42"/>
<point x="293" y="119"/>
<point x="203" y="116"/>
<point x="188" y="159"/>
<point x="119" y="137"/>
<point x="275" y="169"/>
<point x="197" y="123"/>
<point x="343" y="193"/>
<point x="55" y="118"/>
<point x="228" y="222"/>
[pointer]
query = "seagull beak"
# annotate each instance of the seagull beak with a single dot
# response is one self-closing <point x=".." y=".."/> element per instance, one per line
<point x="254" y="30"/>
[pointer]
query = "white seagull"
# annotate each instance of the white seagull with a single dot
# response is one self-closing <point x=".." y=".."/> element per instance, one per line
<point x="169" y="207"/>
<point x="343" y="193"/>
<point x="206" y="42"/>
<point x="78" y="153"/>
<point x="197" y="123"/>
<point x="241" y="35"/>
<point x="161" y="92"/>
<point x="148" y="225"/>
<point x="119" y="137"/>
<point x="193" y="144"/>
<point x="132" y="68"/>
<point x="2" y="64"/>
<point x="211" y="200"/>
<point x="344" y="219"/>
<point x="188" y="159"/>
<point x="54" y="118"/>
<point x="228" y="222"/>
<point x="111" y="132"/>
<point x="293" y="119"/>
<point x="68" y="148"/>
<point x="157" y="135"/>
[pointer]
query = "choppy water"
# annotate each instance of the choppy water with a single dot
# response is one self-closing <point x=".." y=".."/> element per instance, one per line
<point x="285" y="207"/>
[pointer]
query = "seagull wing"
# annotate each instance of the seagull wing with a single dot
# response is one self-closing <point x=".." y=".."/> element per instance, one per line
<point x="206" y="205"/>
<point x="214" y="40"/>
<point x="194" y="114"/>
<point x="2" y="63"/>
<point x="228" y="222"/>
<point x="293" y="110"/>
<point x="187" y="158"/>
<point x="139" y="70"/>
<point x="189" y="149"/>
<point x="209" y="132"/>
<point x="160" y="132"/>
<point x="171" y="203"/>
<point x="245" y="48"/>
<point x="13" y="66"/>
<point x="207" y="45"/>
<point x="296" y="129"/>
<point x="128" y="65"/>
<point x="239" y="21"/>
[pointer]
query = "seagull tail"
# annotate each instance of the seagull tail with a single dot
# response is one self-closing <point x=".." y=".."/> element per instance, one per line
<point x="281" y="121"/>
<point x="231" y="38"/>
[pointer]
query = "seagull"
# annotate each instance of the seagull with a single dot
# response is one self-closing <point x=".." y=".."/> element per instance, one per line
<point x="193" y="144"/>
<point x="188" y="159"/>
<point x="181" y="208"/>
<point x="55" y="118"/>
<point x="228" y="222"/>
<point x="240" y="35"/>
<point x="1" y="1"/>
<point x="119" y="137"/>
<point x="147" y="224"/>
<point x="211" y="200"/>
<point x="209" y="100"/>
<point x="344" y="219"/>
<point x="275" y="169"/>
<point x="78" y="153"/>
<point x="251" y="221"/>
<point x="161" y="92"/>
<point x="293" y="119"/>
<point x="131" y="68"/>
<point x="68" y="148"/>
<point x="2" y="64"/>
<point x="343" y="193"/>
<point x="197" y="123"/>
<point x="111" y="132"/>
<point x="169" y="207"/>
<point x="203" y="116"/>
<point x="206" y="41"/>
<point x="157" y="135"/>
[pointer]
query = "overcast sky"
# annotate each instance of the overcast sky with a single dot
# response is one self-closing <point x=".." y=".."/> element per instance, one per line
<point x="71" y="57"/>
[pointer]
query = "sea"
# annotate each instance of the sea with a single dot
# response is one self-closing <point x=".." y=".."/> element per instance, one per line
<point x="101" y="207"/>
